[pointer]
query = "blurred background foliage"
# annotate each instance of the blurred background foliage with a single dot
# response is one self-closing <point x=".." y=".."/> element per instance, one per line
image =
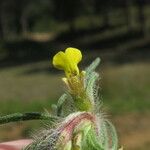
<point x="32" y="31"/>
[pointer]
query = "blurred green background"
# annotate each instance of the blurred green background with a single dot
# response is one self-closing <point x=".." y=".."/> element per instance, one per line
<point x="32" y="31"/>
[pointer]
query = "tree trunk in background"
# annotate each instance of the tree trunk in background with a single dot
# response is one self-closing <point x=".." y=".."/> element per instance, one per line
<point x="106" y="18"/>
<point x="1" y="32"/>
<point x="24" y="22"/>
<point x="3" y="20"/>
<point x="142" y="20"/>
<point x="126" y="6"/>
<point x="72" y="26"/>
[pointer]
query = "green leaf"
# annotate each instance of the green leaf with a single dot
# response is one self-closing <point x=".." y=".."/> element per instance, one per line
<point x="93" y="66"/>
<point x="91" y="141"/>
<point x="112" y="135"/>
<point x="60" y="103"/>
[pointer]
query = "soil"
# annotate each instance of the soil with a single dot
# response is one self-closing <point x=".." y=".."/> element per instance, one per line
<point x="133" y="131"/>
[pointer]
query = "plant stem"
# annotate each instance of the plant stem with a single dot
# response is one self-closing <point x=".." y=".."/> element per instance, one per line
<point x="26" y="116"/>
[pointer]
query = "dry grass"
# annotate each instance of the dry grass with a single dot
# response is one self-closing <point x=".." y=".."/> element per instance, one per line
<point x="27" y="83"/>
<point x="126" y="87"/>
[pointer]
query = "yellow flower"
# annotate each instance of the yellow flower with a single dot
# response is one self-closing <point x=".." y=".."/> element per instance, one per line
<point x="68" y="61"/>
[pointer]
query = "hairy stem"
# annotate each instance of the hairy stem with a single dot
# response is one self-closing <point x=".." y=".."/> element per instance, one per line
<point x="25" y="117"/>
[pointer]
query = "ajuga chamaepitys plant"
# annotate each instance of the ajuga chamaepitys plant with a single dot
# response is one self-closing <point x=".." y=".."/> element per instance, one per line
<point x="77" y="120"/>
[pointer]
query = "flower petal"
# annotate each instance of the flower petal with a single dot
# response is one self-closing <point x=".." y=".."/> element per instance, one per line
<point x="68" y="61"/>
<point x="60" y="60"/>
<point x="74" y="55"/>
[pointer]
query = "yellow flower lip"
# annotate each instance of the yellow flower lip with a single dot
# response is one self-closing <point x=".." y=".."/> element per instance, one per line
<point x="68" y="61"/>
